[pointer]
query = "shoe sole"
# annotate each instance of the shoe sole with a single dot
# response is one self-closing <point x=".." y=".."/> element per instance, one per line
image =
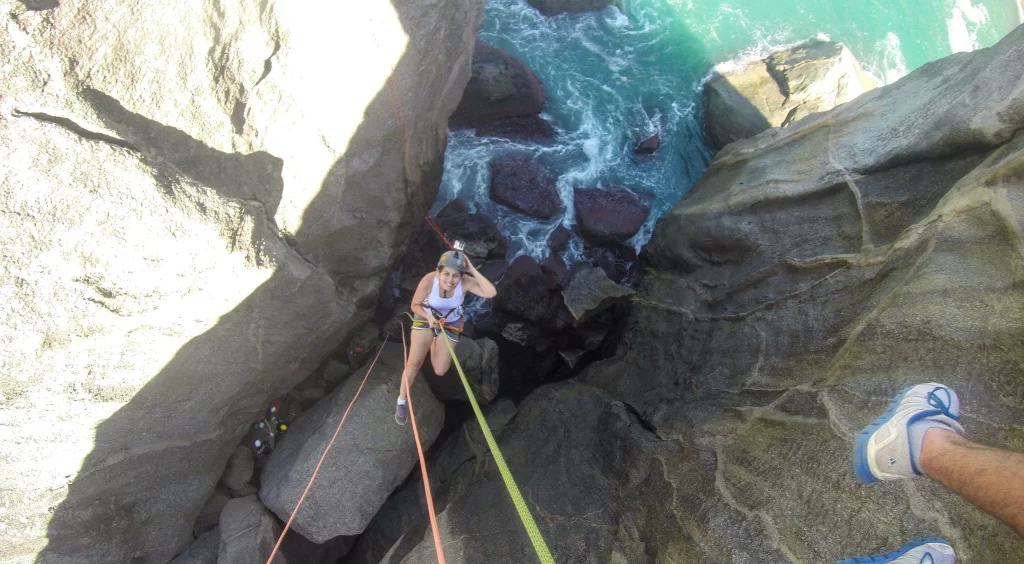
<point x="890" y="556"/>
<point x="861" y="467"/>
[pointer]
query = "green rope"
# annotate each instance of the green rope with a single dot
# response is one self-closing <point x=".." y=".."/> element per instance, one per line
<point x="513" y="491"/>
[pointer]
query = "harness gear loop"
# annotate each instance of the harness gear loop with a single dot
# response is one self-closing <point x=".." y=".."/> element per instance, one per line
<point x="539" y="546"/>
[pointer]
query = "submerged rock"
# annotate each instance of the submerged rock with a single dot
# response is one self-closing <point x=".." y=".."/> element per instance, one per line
<point x="519" y="129"/>
<point x="609" y="216"/>
<point x="787" y="86"/>
<point x="500" y="87"/>
<point x="555" y="7"/>
<point x="649" y="145"/>
<point x="368" y="460"/>
<point x="526" y="186"/>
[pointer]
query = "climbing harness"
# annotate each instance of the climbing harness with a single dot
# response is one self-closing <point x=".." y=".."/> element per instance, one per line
<point x="539" y="546"/>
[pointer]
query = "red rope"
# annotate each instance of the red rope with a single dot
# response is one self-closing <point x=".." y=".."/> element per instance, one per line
<point x="423" y="461"/>
<point x="322" y="458"/>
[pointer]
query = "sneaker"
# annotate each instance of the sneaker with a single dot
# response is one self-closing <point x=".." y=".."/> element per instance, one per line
<point x="889" y="448"/>
<point x="924" y="551"/>
<point x="401" y="413"/>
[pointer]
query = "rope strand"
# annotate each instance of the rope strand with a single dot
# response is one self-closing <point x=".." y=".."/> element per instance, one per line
<point x="316" y="471"/>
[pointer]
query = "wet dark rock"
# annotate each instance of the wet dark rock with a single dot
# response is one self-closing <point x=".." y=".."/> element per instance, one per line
<point x="648" y="145"/>
<point x="559" y="239"/>
<point x="500" y="86"/>
<point x="493" y="270"/>
<point x="523" y="292"/>
<point x="619" y="262"/>
<point x="519" y="129"/>
<point x="555" y="7"/>
<point x="609" y="216"/>
<point x="526" y="186"/>
<point x="555" y="269"/>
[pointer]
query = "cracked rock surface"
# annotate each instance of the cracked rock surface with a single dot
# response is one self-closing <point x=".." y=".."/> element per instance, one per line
<point x="776" y="92"/>
<point x="811" y="274"/>
<point x="196" y="206"/>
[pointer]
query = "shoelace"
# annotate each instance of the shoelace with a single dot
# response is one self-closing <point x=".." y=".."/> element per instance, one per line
<point x="941" y="404"/>
<point x="927" y="559"/>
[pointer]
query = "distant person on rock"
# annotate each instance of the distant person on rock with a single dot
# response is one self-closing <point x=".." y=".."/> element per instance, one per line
<point x="921" y="435"/>
<point x="437" y="303"/>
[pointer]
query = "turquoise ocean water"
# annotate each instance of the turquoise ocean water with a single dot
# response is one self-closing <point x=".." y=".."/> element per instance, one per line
<point x="617" y="75"/>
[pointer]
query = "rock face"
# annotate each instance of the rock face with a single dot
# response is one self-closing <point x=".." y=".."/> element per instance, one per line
<point x="609" y="216"/>
<point x="785" y="87"/>
<point x="369" y="459"/>
<point x="203" y="551"/>
<point x="191" y="223"/>
<point x="248" y="533"/>
<point x="559" y="239"/>
<point x="523" y="291"/>
<point x="589" y="291"/>
<point x="501" y="86"/>
<point x="555" y="7"/>
<point x="479" y="359"/>
<point x="526" y="186"/>
<point x="812" y="273"/>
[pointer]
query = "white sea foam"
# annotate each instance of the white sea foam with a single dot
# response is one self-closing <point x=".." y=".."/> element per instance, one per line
<point x="888" y="64"/>
<point x="962" y="26"/>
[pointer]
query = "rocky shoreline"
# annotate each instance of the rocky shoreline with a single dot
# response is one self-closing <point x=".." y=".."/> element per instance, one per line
<point x="198" y="278"/>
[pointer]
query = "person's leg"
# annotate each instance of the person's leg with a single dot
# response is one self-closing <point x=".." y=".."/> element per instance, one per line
<point x="990" y="478"/>
<point x="440" y="355"/>
<point x="420" y="340"/>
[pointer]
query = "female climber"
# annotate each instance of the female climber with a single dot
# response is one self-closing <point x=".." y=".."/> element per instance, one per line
<point x="438" y="299"/>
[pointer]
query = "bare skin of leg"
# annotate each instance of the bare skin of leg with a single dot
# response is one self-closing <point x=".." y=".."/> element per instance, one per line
<point x="440" y="356"/>
<point x="991" y="478"/>
<point x="421" y="341"/>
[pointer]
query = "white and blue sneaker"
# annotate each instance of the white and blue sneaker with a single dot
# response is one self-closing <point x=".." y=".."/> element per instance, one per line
<point x="890" y="448"/>
<point x="924" y="551"/>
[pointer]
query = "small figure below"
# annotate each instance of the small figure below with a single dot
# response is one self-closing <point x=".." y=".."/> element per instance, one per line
<point x="437" y="305"/>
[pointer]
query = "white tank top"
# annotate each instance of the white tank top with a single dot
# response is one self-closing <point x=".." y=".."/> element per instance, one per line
<point x="451" y="307"/>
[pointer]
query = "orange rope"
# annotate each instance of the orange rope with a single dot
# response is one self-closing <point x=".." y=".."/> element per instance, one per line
<point x="423" y="461"/>
<point x="322" y="458"/>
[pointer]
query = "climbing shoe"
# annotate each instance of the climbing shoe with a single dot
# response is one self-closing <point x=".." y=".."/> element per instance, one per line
<point x="402" y="412"/>
<point x="924" y="551"/>
<point x="890" y="448"/>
